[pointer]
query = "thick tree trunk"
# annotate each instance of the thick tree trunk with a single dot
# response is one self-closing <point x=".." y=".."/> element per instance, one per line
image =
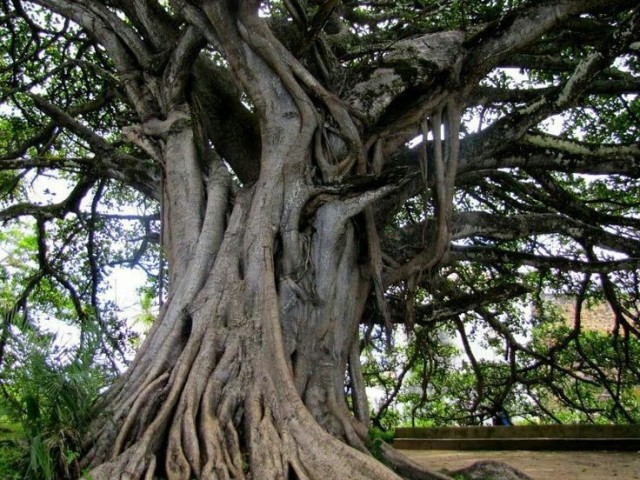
<point x="243" y="373"/>
<point x="244" y="370"/>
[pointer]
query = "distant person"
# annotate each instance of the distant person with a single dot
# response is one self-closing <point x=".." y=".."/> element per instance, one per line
<point x="502" y="418"/>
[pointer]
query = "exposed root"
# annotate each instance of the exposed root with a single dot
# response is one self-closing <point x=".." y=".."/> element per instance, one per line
<point x="407" y="468"/>
<point x="482" y="470"/>
<point x="491" y="470"/>
<point x="136" y="462"/>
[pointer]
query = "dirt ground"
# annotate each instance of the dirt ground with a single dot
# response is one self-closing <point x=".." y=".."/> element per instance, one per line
<point x="541" y="465"/>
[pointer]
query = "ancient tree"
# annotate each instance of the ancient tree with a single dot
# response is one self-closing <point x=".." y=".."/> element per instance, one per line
<point x="281" y="141"/>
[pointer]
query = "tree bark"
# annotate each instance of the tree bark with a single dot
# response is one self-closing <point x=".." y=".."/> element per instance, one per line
<point x="242" y="375"/>
<point x="244" y="369"/>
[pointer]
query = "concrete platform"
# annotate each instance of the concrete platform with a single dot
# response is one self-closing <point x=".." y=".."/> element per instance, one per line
<point x="527" y="437"/>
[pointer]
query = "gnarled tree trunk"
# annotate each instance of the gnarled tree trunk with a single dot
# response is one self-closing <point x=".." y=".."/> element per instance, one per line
<point x="242" y="375"/>
<point x="244" y="370"/>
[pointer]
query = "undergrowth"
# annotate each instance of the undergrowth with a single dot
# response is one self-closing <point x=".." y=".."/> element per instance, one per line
<point x="48" y="400"/>
<point x="375" y="440"/>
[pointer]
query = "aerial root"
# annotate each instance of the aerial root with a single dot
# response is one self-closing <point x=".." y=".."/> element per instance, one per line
<point x="264" y="441"/>
<point x="293" y="459"/>
<point x="151" y="469"/>
<point x="301" y="473"/>
<point x="355" y="433"/>
<point x="200" y="444"/>
<point x="177" y="464"/>
<point x="222" y="453"/>
<point x="108" y="445"/>
<point x="196" y="440"/>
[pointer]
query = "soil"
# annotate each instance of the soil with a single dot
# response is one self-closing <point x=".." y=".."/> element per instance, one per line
<point x="541" y="465"/>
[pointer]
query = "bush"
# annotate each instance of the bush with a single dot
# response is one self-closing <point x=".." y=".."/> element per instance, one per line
<point x="49" y="401"/>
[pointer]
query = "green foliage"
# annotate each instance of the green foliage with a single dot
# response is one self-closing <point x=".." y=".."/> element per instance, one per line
<point x="49" y="382"/>
<point x="460" y="476"/>
<point x="376" y="437"/>
<point x="49" y="400"/>
<point x="12" y="449"/>
<point x="432" y="382"/>
<point x="421" y="379"/>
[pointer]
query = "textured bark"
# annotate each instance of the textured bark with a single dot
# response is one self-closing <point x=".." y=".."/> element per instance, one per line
<point x="245" y="368"/>
<point x="243" y="373"/>
<point x="242" y="376"/>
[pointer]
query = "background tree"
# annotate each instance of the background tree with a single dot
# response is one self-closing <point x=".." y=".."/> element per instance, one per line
<point x="559" y="372"/>
<point x="267" y="146"/>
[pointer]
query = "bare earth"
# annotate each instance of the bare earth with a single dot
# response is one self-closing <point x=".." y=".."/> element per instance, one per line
<point x="541" y="465"/>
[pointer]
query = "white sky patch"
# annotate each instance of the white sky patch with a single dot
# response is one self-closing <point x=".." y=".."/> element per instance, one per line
<point x="124" y="284"/>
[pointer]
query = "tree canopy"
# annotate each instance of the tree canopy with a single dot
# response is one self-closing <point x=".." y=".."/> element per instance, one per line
<point x="337" y="172"/>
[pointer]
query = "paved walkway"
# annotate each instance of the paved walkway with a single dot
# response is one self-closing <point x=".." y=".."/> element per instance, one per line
<point x="541" y="465"/>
